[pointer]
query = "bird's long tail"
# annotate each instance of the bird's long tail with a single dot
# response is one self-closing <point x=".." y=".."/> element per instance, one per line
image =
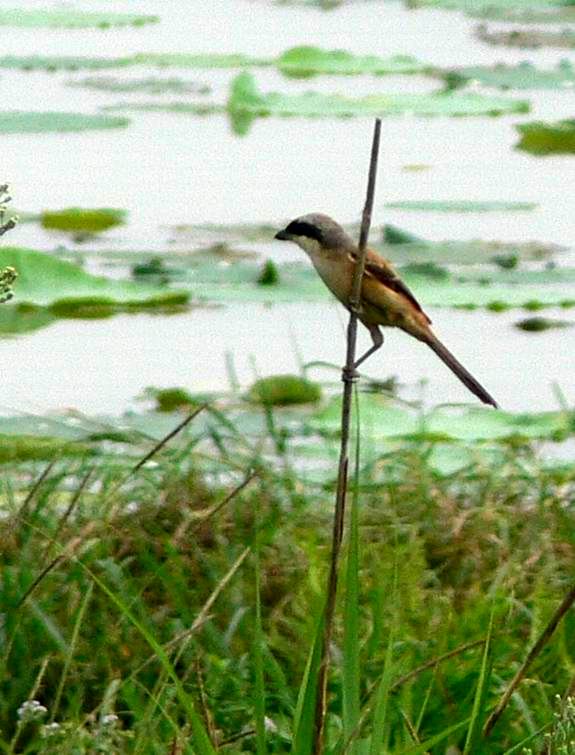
<point x="466" y="377"/>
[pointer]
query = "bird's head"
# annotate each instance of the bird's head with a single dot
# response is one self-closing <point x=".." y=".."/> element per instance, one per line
<point x="315" y="233"/>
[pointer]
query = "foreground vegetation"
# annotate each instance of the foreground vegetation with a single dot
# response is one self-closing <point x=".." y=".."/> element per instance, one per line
<point x="131" y="602"/>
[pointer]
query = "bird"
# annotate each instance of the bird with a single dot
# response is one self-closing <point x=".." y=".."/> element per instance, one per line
<point x="385" y="299"/>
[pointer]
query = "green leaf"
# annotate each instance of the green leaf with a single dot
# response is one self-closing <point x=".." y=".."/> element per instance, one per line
<point x="309" y="61"/>
<point x="199" y="60"/>
<point x="461" y="205"/>
<point x="247" y="102"/>
<point x="61" y="62"/>
<point x="527" y="38"/>
<point x="540" y="138"/>
<point x="63" y="289"/>
<point x="479" y="703"/>
<point x="20" y="122"/>
<point x="304" y="717"/>
<point x="382" y="419"/>
<point x="238" y="282"/>
<point x="72" y="19"/>
<point x="284" y="390"/>
<point x="150" y="85"/>
<point x="80" y="220"/>
<point x="351" y="673"/>
<point x="522" y="76"/>
<point x="540" y="324"/>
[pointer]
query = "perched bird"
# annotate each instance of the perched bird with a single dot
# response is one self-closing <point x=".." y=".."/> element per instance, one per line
<point x="385" y="299"/>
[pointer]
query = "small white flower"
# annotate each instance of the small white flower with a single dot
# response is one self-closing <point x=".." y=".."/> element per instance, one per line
<point x="270" y="725"/>
<point x="49" y="730"/>
<point x="109" y="720"/>
<point x="31" y="710"/>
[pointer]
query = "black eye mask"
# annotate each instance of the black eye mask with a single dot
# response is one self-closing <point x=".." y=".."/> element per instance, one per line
<point x="301" y="228"/>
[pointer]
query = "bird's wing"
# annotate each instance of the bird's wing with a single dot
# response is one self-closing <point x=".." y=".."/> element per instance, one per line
<point x="378" y="268"/>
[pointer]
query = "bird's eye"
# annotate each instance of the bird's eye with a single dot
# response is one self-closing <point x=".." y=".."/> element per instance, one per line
<point x="301" y="228"/>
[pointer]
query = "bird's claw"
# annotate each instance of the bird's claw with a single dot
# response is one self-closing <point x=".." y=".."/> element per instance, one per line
<point x="349" y="374"/>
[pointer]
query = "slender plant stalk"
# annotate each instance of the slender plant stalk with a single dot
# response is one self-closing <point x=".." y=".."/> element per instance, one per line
<point x="348" y="377"/>
<point x="544" y="638"/>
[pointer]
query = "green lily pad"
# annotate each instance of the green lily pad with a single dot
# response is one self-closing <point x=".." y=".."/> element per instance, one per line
<point x="540" y="324"/>
<point x="457" y="205"/>
<point x="53" y="287"/>
<point x="199" y="60"/>
<point x="382" y="419"/>
<point x="522" y="76"/>
<point x="72" y="19"/>
<point x="485" y="6"/>
<point x="528" y="38"/>
<point x="79" y="220"/>
<point x="22" y="448"/>
<point x="284" y="390"/>
<point x="307" y="61"/>
<point x="149" y="85"/>
<point x="246" y="103"/>
<point x="540" y="138"/>
<point x="61" y="62"/>
<point x="495" y="289"/>
<point x="20" y="122"/>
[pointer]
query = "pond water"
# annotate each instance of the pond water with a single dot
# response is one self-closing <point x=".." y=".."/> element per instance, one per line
<point x="168" y="169"/>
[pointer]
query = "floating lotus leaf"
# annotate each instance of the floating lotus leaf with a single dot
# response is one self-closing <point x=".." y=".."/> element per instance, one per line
<point x="522" y="76"/>
<point x="541" y="324"/>
<point x="496" y="289"/>
<point x="72" y="19"/>
<point x="61" y="62"/>
<point x="284" y="390"/>
<point x="541" y="138"/>
<point x="79" y="220"/>
<point x="309" y="61"/>
<point x="382" y="419"/>
<point x="460" y="205"/>
<point x="246" y="102"/>
<point x="149" y="85"/>
<point x="48" y="287"/>
<point x="527" y="38"/>
<point x="199" y="60"/>
<point x="20" y="122"/>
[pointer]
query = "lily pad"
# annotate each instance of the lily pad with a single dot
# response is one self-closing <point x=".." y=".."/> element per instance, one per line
<point x="541" y="324"/>
<point x="284" y="390"/>
<point x="540" y="138"/>
<point x="58" y="288"/>
<point x="20" y="122"/>
<point x="79" y="220"/>
<point x="456" y="205"/>
<point x="72" y="19"/>
<point x="199" y="60"/>
<point x="527" y="38"/>
<point x="22" y="448"/>
<point x="61" y="62"/>
<point x="522" y="76"/>
<point x="382" y="419"/>
<point x="494" y="289"/>
<point x="149" y="85"/>
<point x="246" y="102"/>
<point x="308" y="61"/>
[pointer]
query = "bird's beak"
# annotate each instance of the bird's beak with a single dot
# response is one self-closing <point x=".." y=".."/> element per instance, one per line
<point x="283" y="236"/>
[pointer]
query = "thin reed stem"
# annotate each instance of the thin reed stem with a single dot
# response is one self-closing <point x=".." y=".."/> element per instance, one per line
<point x="348" y="378"/>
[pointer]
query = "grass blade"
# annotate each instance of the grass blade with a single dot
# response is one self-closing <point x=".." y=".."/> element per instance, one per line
<point x="200" y="739"/>
<point x="478" y="711"/>
<point x="303" y="728"/>
<point x="258" y="643"/>
<point x="351" y="670"/>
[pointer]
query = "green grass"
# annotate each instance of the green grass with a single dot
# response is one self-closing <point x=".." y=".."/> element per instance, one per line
<point x="155" y="612"/>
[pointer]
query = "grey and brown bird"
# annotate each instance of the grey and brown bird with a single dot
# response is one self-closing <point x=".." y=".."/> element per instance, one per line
<point x="385" y="299"/>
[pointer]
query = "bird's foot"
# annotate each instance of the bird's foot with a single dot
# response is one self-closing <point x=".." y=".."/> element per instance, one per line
<point x="349" y="374"/>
